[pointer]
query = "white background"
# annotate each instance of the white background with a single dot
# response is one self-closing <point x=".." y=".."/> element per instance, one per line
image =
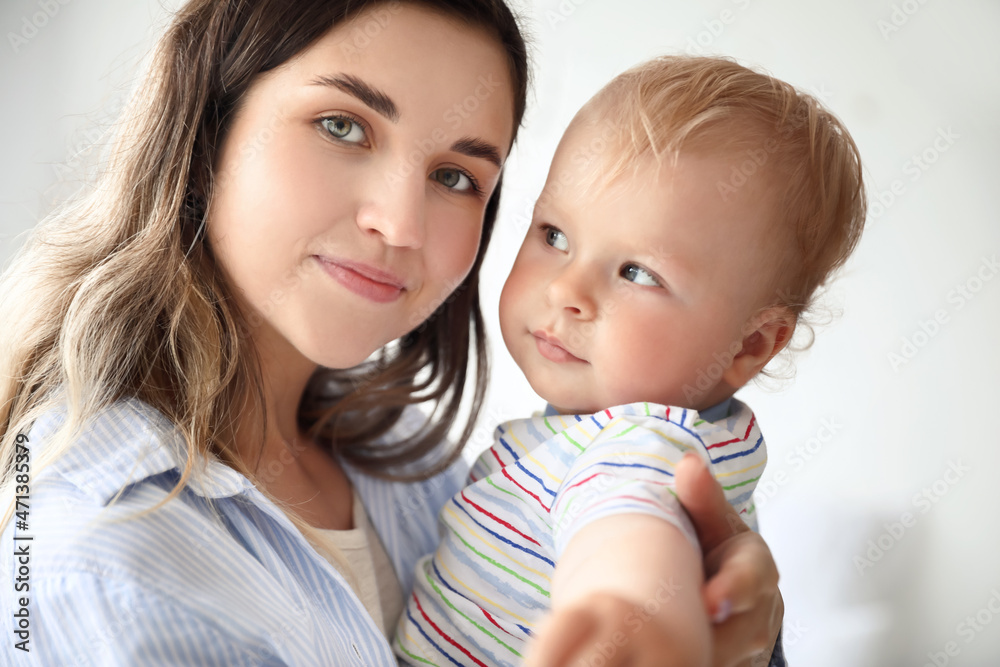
<point x="892" y="431"/>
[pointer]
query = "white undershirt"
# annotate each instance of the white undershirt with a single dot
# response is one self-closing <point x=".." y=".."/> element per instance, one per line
<point x="380" y="591"/>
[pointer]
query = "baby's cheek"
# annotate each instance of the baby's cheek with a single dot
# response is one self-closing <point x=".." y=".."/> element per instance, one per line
<point x="511" y="305"/>
<point x="648" y="368"/>
<point x="631" y="367"/>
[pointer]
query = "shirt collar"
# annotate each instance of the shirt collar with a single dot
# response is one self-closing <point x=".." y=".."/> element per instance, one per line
<point x="718" y="411"/>
<point x="127" y="443"/>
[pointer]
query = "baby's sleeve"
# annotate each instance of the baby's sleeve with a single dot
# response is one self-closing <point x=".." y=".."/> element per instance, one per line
<point x="627" y="469"/>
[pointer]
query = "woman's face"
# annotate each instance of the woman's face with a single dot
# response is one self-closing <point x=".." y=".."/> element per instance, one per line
<point x="352" y="183"/>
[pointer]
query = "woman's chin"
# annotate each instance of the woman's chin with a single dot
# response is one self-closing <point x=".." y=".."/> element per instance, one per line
<point x="338" y="359"/>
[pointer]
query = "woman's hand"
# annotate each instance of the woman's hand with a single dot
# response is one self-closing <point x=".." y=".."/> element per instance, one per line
<point x="741" y="579"/>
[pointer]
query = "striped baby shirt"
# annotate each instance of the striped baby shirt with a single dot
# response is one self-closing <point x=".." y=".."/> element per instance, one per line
<point x="476" y="600"/>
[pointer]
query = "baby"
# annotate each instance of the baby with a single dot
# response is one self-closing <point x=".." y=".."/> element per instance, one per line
<point x="691" y="210"/>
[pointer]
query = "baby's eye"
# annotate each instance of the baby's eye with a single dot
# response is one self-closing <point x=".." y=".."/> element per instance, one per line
<point x="639" y="275"/>
<point x="452" y="178"/>
<point x="556" y="238"/>
<point x="345" y="129"/>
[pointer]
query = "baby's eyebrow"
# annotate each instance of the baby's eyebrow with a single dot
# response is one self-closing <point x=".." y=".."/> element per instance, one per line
<point x="369" y="95"/>
<point x="670" y="260"/>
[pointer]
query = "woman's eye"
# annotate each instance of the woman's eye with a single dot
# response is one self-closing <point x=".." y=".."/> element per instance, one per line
<point x="454" y="179"/>
<point x="345" y="129"/>
<point x="556" y="239"/>
<point x="639" y="275"/>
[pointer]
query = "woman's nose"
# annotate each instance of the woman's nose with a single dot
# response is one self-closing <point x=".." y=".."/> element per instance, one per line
<point x="395" y="210"/>
<point x="573" y="292"/>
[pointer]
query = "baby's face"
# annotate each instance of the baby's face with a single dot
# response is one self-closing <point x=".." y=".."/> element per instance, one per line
<point x="638" y="290"/>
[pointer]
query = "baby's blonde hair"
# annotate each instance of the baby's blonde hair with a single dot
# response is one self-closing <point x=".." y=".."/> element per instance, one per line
<point x="808" y="160"/>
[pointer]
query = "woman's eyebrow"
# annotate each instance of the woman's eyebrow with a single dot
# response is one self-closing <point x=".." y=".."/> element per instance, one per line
<point x="369" y="95"/>
<point x="477" y="148"/>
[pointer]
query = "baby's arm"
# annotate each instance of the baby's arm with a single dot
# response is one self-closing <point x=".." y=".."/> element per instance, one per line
<point x="627" y="588"/>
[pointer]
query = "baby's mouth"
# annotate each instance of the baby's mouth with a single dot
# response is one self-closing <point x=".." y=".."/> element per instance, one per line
<point x="553" y="349"/>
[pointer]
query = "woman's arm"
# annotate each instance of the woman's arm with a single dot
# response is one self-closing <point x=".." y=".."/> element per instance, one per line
<point x="87" y="618"/>
<point x="741" y="591"/>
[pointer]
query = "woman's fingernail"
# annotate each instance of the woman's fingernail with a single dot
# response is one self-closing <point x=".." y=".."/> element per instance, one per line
<point x="722" y="613"/>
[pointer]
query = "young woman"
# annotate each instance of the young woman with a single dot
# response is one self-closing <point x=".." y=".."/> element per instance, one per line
<point x="212" y="362"/>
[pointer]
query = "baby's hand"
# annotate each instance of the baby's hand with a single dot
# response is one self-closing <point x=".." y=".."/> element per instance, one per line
<point x="608" y="630"/>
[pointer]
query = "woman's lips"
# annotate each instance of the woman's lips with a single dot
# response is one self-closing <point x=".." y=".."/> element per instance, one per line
<point x="363" y="280"/>
<point x="552" y="349"/>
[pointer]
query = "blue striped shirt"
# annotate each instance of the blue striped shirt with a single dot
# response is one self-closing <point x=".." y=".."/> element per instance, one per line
<point x="217" y="576"/>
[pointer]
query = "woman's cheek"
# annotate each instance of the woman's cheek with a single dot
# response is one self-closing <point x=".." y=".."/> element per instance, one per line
<point x="449" y="253"/>
<point x="462" y="244"/>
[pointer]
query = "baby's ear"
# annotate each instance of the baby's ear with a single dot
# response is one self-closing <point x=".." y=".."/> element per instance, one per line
<point x="768" y="333"/>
